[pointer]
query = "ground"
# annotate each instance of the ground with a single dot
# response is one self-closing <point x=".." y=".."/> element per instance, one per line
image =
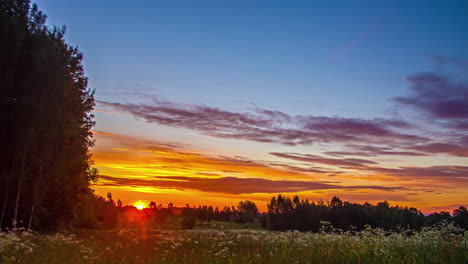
<point x="221" y="243"/>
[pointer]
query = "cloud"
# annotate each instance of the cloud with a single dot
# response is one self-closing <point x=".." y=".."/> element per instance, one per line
<point x="444" y="102"/>
<point x="372" y="151"/>
<point x="438" y="96"/>
<point x="266" y="125"/>
<point x="231" y="185"/>
<point x="380" y="136"/>
<point x="314" y="159"/>
<point x="457" y="150"/>
<point x="447" y="174"/>
<point x="136" y="157"/>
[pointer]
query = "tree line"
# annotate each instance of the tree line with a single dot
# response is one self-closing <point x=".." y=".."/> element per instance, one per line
<point x="106" y="214"/>
<point x="245" y="212"/>
<point x="285" y="213"/>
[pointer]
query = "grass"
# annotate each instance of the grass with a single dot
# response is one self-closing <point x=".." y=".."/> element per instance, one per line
<point x="443" y="244"/>
<point x="218" y="225"/>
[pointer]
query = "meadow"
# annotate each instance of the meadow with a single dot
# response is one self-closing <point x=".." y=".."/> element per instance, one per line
<point x="224" y="244"/>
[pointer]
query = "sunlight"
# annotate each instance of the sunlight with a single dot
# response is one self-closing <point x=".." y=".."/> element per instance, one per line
<point x="139" y="205"/>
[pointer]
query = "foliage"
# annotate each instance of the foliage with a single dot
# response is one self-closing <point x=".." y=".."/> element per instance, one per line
<point x="188" y="218"/>
<point x="285" y="213"/>
<point x="45" y="133"/>
<point x="460" y="216"/>
<point x="443" y="243"/>
<point x="248" y="211"/>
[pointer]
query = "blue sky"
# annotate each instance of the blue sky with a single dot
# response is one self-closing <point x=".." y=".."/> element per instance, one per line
<point x="378" y="84"/>
<point x="302" y="57"/>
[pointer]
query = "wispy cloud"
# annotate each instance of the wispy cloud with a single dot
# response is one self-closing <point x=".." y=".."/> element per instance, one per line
<point x="447" y="174"/>
<point x="314" y="159"/>
<point x="334" y="154"/>
<point x="266" y="125"/>
<point x="439" y="97"/>
<point x="232" y="185"/>
<point x="372" y="151"/>
<point x="137" y="157"/>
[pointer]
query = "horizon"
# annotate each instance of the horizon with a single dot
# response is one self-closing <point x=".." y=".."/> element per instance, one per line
<point x="143" y="205"/>
<point x="223" y="103"/>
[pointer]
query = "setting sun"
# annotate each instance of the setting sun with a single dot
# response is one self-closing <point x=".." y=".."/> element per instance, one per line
<point x="139" y="205"/>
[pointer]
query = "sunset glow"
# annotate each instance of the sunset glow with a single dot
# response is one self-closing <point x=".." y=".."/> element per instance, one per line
<point x="139" y="205"/>
<point x="234" y="131"/>
<point x="232" y="105"/>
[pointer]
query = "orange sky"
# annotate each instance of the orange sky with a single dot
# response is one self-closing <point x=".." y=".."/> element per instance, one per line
<point x="214" y="103"/>
<point x="135" y="169"/>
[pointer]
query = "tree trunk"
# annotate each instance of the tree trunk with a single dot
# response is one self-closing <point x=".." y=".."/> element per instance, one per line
<point x="31" y="217"/>
<point x="34" y="197"/>
<point x="4" y="207"/>
<point x="18" y="192"/>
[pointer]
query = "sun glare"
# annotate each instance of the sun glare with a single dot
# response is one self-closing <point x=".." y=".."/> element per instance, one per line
<point x="139" y="205"/>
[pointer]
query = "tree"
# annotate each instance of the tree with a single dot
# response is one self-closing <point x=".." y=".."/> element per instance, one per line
<point x="46" y="126"/>
<point x="188" y="218"/>
<point x="336" y="202"/>
<point x="286" y="214"/>
<point x="248" y="211"/>
<point x="460" y="216"/>
<point x="109" y="198"/>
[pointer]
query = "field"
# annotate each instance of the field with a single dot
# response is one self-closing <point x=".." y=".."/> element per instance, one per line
<point x="444" y="244"/>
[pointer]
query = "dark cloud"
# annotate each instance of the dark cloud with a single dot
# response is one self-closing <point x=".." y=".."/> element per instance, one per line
<point x="449" y="174"/>
<point x="309" y="169"/>
<point x="314" y="159"/>
<point x="457" y="150"/>
<point x="438" y="96"/>
<point x="231" y="185"/>
<point x="348" y="129"/>
<point x="266" y="125"/>
<point x="455" y="173"/>
<point x="372" y="151"/>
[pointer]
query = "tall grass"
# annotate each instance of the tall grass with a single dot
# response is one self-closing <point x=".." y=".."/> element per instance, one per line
<point x="442" y="244"/>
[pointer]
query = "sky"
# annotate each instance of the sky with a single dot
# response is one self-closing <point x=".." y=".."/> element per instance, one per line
<point x="213" y="102"/>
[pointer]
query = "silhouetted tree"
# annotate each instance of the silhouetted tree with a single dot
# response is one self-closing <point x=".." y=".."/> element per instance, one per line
<point x="286" y="214"/>
<point x="460" y="216"/>
<point x="247" y="211"/>
<point x="188" y="218"/>
<point x="46" y="122"/>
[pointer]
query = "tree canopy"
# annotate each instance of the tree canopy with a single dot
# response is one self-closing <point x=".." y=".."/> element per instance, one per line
<point x="46" y="122"/>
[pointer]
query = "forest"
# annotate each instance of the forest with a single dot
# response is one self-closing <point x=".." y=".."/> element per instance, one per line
<point x="284" y="213"/>
<point x="46" y="123"/>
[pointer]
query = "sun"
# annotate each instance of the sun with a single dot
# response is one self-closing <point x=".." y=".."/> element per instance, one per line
<point x="139" y="205"/>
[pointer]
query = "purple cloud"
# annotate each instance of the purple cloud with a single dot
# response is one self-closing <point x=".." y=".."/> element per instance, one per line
<point x="453" y="174"/>
<point x="438" y="96"/>
<point x="266" y="125"/>
<point x="372" y="151"/>
<point x="457" y="150"/>
<point x="314" y="159"/>
<point x="232" y="185"/>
